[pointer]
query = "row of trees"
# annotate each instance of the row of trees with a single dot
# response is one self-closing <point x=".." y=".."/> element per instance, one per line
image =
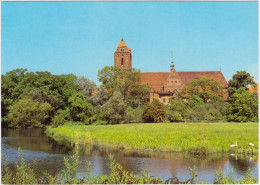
<point x="38" y="99"/>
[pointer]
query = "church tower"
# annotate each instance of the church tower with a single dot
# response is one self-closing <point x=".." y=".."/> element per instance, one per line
<point x="123" y="56"/>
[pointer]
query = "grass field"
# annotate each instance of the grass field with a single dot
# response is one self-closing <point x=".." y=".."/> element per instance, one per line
<point x="197" y="138"/>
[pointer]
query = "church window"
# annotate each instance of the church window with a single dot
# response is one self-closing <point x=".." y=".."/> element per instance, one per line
<point x="122" y="61"/>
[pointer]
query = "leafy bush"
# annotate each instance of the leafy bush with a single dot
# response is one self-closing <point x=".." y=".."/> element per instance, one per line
<point x="239" y="82"/>
<point x="195" y="101"/>
<point x="68" y="174"/>
<point x="80" y="109"/>
<point x="57" y="120"/>
<point x="181" y="107"/>
<point x="115" y="108"/>
<point x="23" y="174"/>
<point x="208" y="89"/>
<point x="65" y="113"/>
<point x="242" y="107"/>
<point x="154" y="112"/>
<point x="29" y="113"/>
<point x="197" y="114"/>
<point x="100" y="122"/>
<point x="222" y="178"/>
<point x="209" y="112"/>
<point x="174" y="116"/>
<point x="213" y="114"/>
<point x="99" y="117"/>
<point x="134" y="115"/>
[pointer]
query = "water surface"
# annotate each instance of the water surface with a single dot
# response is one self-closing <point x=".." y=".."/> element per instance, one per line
<point x="49" y="156"/>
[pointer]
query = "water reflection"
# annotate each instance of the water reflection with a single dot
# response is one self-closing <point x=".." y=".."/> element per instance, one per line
<point x="49" y="156"/>
<point x="241" y="163"/>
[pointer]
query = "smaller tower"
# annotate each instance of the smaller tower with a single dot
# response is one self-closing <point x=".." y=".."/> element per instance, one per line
<point x="123" y="56"/>
<point x="172" y="63"/>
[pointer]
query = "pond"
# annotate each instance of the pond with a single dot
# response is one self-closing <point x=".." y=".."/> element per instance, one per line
<point x="49" y="156"/>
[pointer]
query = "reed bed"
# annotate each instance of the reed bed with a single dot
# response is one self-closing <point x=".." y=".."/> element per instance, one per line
<point x="196" y="138"/>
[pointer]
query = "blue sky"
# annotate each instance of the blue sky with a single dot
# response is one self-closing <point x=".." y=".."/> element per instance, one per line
<point x="81" y="37"/>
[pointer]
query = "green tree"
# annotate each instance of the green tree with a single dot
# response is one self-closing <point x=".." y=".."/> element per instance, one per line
<point x="208" y="112"/>
<point x="127" y="83"/>
<point x="37" y="85"/>
<point x="63" y="86"/>
<point x="57" y="120"/>
<point x="154" y="112"/>
<point x="179" y="106"/>
<point x="80" y="109"/>
<point x="174" y="116"/>
<point x="29" y="113"/>
<point x="194" y="101"/>
<point x="206" y="88"/>
<point x="100" y="98"/>
<point x="115" y="108"/>
<point x="134" y="115"/>
<point x="240" y="81"/>
<point x="11" y="91"/>
<point x="242" y="107"/>
<point x="85" y="86"/>
<point x="42" y="96"/>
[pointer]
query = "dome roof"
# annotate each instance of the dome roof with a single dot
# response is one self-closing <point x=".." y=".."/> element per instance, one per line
<point x="122" y="43"/>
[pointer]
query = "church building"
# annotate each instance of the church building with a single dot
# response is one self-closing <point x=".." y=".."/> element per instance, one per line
<point x="164" y="84"/>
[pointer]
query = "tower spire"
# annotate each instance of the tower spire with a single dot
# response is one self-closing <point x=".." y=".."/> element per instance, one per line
<point x="172" y="63"/>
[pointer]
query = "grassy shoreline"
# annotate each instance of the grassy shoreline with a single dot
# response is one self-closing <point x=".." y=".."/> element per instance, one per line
<point x="196" y="138"/>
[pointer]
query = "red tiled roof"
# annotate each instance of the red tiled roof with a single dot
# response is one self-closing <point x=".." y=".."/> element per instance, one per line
<point x="154" y="78"/>
<point x="190" y="75"/>
<point x="157" y="79"/>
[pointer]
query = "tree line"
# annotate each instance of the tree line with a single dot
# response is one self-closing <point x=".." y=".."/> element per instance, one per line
<point x="38" y="99"/>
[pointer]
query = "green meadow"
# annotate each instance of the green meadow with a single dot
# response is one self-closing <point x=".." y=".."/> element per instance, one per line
<point x="196" y="138"/>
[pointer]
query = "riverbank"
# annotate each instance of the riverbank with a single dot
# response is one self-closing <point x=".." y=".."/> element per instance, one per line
<point x="196" y="138"/>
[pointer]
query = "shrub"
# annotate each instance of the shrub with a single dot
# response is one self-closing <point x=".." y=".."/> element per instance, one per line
<point x="100" y="122"/>
<point x="99" y="116"/>
<point x="209" y="90"/>
<point x="23" y="174"/>
<point x="242" y="107"/>
<point x="195" y="101"/>
<point x="174" y="116"/>
<point x="80" y="109"/>
<point x="29" y="113"/>
<point x="134" y="115"/>
<point x="197" y="114"/>
<point x="115" y="108"/>
<point x="57" y="120"/>
<point x="154" y="112"/>
<point x="65" y="113"/>
<point x="222" y="178"/>
<point x="213" y="114"/>
<point x="180" y="106"/>
<point x="208" y="111"/>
